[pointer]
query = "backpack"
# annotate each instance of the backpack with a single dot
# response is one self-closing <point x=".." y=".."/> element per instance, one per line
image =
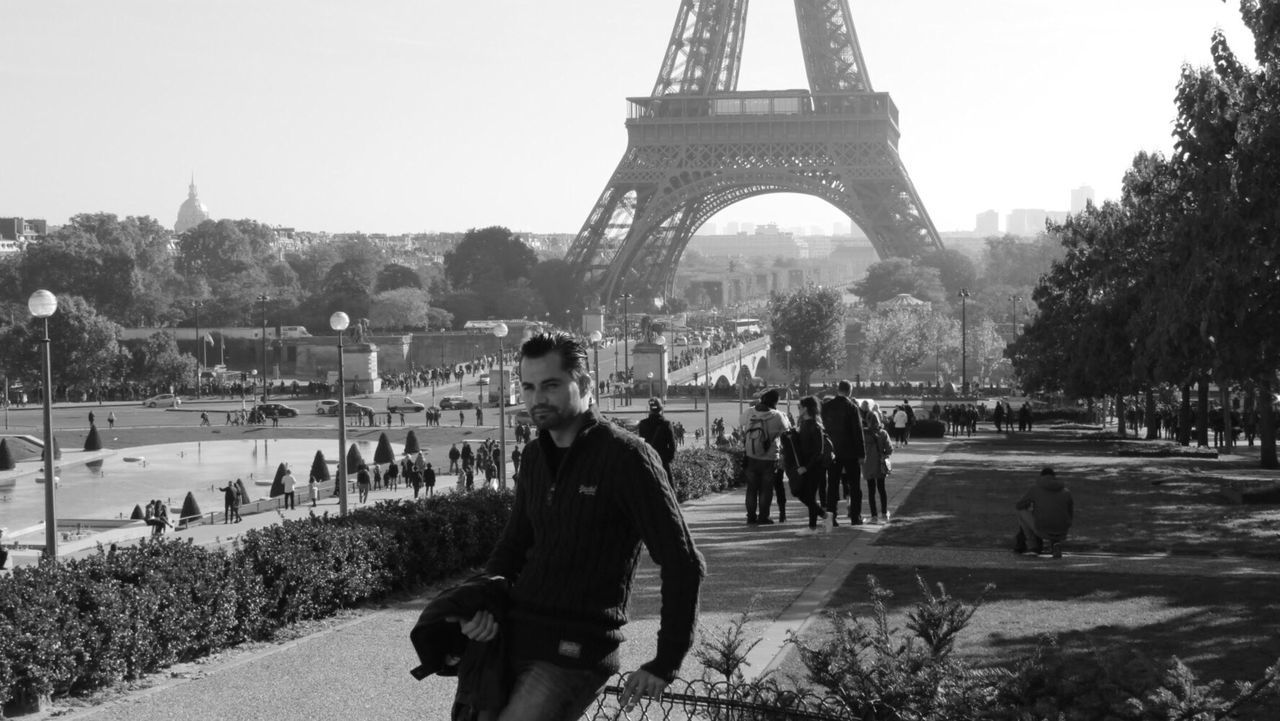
<point x="759" y="442"/>
<point x="828" y="451"/>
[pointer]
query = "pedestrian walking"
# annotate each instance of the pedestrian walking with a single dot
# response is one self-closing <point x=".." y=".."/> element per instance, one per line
<point x="111" y="420"/>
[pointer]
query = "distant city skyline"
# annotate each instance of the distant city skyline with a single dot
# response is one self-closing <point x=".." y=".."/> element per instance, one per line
<point x="441" y="117"/>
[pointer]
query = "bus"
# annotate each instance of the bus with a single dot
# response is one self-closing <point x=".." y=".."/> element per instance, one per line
<point x="743" y="325"/>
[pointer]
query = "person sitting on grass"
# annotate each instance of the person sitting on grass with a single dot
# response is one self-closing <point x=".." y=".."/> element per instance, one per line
<point x="1045" y="512"/>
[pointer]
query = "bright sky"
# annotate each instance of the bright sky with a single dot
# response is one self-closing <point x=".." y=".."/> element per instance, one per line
<point x="418" y="115"/>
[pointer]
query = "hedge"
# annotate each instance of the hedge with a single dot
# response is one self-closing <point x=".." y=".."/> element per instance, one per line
<point x="81" y="625"/>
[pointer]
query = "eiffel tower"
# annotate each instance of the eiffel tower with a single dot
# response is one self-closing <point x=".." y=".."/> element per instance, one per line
<point x="697" y="145"/>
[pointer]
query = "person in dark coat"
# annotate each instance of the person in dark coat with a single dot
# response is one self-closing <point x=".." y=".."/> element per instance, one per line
<point x="1045" y="512"/>
<point x="805" y="459"/>
<point x="658" y="433"/>
<point x="843" y="421"/>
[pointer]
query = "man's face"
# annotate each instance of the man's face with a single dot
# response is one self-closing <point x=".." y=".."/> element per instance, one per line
<point x="550" y="393"/>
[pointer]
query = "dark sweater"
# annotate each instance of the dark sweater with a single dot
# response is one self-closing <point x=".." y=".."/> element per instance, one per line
<point x="572" y="544"/>
<point x="843" y="421"/>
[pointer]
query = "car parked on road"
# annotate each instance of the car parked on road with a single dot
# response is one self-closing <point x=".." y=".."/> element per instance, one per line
<point x="326" y="407"/>
<point x="356" y="409"/>
<point x="280" y="409"/>
<point x="405" y="405"/>
<point x="164" y="400"/>
<point x="520" y="416"/>
<point x="455" y="403"/>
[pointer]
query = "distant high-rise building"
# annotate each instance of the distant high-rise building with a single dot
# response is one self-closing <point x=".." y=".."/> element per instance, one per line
<point x="988" y="223"/>
<point x="1080" y="197"/>
<point x="192" y="212"/>
<point x="1025" y="221"/>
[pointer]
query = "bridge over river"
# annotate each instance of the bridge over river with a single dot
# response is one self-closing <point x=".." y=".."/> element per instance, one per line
<point x="741" y="364"/>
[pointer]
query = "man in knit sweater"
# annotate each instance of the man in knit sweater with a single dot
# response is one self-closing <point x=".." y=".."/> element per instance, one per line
<point x="587" y="496"/>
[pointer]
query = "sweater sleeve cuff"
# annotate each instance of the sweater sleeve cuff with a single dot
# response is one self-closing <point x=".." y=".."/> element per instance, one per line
<point x="661" y="670"/>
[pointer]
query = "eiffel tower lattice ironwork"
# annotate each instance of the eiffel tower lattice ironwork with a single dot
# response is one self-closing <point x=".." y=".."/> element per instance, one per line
<point x="697" y="145"/>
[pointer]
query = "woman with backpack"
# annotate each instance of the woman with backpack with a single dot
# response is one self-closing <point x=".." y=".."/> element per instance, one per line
<point x="876" y="466"/>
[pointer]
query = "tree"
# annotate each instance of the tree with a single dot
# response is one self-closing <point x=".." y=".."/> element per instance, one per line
<point x="394" y="276"/>
<point x="157" y="362"/>
<point x="811" y="320"/>
<point x="956" y="270"/>
<point x="898" y="340"/>
<point x="492" y="257"/>
<point x="83" y="347"/>
<point x="122" y="267"/>
<point x="894" y="276"/>
<point x="404" y="308"/>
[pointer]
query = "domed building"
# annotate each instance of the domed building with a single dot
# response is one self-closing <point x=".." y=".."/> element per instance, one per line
<point x="192" y="212"/>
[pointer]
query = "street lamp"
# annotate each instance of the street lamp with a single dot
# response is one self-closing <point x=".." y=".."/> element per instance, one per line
<point x="964" y="341"/>
<point x="787" y="348"/>
<point x="42" y="304"/>
<point x="339" y="322"/>
<point x="195" y="306"/>
<point x="626" y="333"/>
<point x="500" y="331"/>
<point x="595" y="338"/>
<point x="263" y="298"/>
<point x="706" y="372"/>
<point x="1014" y="300"/>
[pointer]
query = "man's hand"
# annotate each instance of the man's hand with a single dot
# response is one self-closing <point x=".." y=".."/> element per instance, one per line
<point x="641" y="684"/>
<point x="481" y="627"/>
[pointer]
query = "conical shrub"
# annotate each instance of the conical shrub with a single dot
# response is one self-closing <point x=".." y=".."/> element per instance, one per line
<point x="411" y="444"/>
<point x="319" y="469"/>
<point x="6" y="457"/>
<point x="137" y="514"/>
<point x="190" y="508"/>
<point x="383" y="453"/>
<point x="92" y="442"/>
<point x="354" y="459"/>
<point x="277" y="484"/>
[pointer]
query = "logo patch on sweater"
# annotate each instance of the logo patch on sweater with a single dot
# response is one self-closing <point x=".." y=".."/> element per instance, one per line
<point x="570" y="649"/>
<point x="587" y="490"/>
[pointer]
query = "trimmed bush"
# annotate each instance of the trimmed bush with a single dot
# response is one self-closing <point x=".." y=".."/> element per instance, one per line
<point x="383" y="453"/>
<point x="354" y="459"/>
<point x="411" y="444"/>
<point x="926" y="428"/>
<point x="319" y="469"/>
<point x="699" y="472"/>
<point x="277" y="483"/>
<point x="92" y="442"/>
<point x="190" y="508"/>
<point x="6" y="457"/>
<point x="85" y="624"/>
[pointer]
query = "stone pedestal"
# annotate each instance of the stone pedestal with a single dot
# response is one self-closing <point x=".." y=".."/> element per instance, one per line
<point x="360" y="370"/>
<point x="649" y="358"/>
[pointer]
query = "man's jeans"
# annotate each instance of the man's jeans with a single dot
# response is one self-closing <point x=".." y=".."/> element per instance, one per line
<point x="543" y="691"/>
<point x="759" y="477"/>
<point x="847" y="473"/>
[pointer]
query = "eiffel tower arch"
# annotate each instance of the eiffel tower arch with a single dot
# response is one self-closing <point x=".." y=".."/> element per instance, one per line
<point x="697" y="145"/>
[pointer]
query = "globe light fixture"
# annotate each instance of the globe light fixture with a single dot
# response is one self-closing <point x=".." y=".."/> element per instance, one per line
<point x="339" y="322"/>
<point x="595" y="337"/>
<point x="42" y="304"/>
<point x="500" y="331"/>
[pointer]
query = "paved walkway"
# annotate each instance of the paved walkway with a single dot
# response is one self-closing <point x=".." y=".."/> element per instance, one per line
<point x="357" y="665"/>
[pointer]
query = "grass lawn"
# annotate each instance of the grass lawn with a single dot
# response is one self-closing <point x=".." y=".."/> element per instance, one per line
<point x="1227" y="629"/>
<point x="1124" y="504"/>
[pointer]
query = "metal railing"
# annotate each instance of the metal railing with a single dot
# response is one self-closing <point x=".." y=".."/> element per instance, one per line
<point x="743" y="701"/>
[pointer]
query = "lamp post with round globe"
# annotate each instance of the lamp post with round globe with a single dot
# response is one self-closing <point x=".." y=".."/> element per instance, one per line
<point x="339" y="322"/>
<point x="595" y="337"/>
<point x="42" y="304"/>
<point x="500" y="331"/>
<point x="787" y="348"/>
<point x="964" y="341"/>
<point x="706" y="372"/>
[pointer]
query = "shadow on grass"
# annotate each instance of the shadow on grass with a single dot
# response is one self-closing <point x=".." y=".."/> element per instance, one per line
<point x="1123" y="504"/>
<point x="1227" y="629"/>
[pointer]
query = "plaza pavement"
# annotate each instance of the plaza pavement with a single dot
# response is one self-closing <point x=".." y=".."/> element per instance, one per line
<point x="356" y="666"/>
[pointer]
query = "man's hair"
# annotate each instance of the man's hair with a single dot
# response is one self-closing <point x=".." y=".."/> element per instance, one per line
<point x="573" y="355"/>
<point x="844" y="387"/>
<point x="770" y="398"/>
